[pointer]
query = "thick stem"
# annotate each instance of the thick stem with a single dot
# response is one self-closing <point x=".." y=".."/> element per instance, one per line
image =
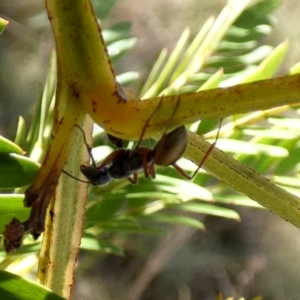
<point x="245" y="180"/>
<point x="64" y="225"/>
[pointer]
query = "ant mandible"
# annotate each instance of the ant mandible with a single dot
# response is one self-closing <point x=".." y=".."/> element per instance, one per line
<point x="123" y="163"/>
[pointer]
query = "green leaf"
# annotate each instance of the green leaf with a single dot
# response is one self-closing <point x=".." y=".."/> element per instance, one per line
<point x="186" y="190"/>
<point x="213" y="81"/>
<point x="134" y="229"/>
<point x="3" y="24"/>
<point x="39" y="133"/>
<point x="116" y="32"/>
<point x="258" y="12"/>
<point x="125" y="79"/>
<point x="16" y="170"/>
<point x="164" y="67"/>
<point x="11" y="206"/>
<point x="237" y="34"/>
<point x="238" y="199"/>
<point x="207" y="209"/>
<point x="295" y="69"/>
<point x="247" y="59"/>
<point x="150" y="86"/>
<point x="20" y="138"/>
<point x="228" y="41"/>
<point x="104" y="210"/>
<point x="173" y="219"/>
<point x="280" y="134"/>
<point x="226" y="46"/>
<point x="194" y="51"/>
<point x="103" y="8"/>
<point x="117" y="49"/>
<point x="269" y="65"/>
<point x="247" y="148"/>
<point x="91" y="243"/>
<point x="34" y="247"/>
<point x="13" y="287"/>
<point x="287" y="181"/>
<point x="288" y="163"/>
<point x="7" y="147"/>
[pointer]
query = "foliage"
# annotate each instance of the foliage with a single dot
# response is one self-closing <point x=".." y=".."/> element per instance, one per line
<point x="13" y="287"/>
<point x="3" y="24"/>
<point x="221" y="54"/>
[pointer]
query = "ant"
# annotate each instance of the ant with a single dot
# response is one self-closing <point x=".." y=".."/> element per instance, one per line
<point x="125" y="162"/>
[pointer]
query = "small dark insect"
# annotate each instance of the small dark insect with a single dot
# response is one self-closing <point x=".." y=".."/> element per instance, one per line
<point x="125" y="163"/>
<point x="13" y="235"/>
<point x="14" y="231"/>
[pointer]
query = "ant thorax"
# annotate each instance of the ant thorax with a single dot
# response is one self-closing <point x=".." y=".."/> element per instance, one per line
<point x="128" y="161"/>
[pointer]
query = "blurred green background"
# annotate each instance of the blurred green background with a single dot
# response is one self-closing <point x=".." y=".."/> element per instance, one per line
<point x="27" y="42"/>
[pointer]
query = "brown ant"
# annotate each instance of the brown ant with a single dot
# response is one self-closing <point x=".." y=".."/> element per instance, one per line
<point x="122" y="163"/>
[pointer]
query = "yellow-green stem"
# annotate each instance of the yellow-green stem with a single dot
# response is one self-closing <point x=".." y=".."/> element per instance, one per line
<point x="245" y="180"/>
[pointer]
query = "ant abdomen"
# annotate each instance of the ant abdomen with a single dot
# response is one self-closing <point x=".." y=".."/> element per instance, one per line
<point x="171" y="147"/>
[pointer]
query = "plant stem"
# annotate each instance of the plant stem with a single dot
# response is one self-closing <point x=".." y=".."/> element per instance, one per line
<point x="245" y="180"/>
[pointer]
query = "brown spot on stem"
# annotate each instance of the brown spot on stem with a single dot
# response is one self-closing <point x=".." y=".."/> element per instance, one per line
<point x="30" y="198"/>
<point x="120" y="94"/>
<point x="94" y="105"/>
<point x="51" y="214"/>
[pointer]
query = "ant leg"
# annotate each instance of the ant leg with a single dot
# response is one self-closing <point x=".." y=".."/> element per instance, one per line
<point x="145" y="161"/>
<point x="107" y="160"/>
<point x="146" y="124"/>
<point x="70" y="175"/>
<point x="212" y="146"/>
<point x="161" y="143"/>
<point x="183" y="173"/>
<point x="89" y="149"/>
<point x="187" y="176"/>
<point x="144" y="155"/>
<point x="133" y="180"/>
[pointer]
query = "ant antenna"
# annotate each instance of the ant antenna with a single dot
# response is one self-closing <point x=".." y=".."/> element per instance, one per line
<point x="67" y="173"/>
<point x="145" y="126"/>
<point x="161" y="142"/>
<point x="89" y="149"/>
<point x="210" y="149"/>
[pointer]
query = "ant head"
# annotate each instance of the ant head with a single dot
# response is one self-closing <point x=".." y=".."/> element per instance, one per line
<point x="94" y="175"/>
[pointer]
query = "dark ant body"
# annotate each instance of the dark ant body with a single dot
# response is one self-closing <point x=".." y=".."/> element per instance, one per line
<point x="123" y="163"/>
